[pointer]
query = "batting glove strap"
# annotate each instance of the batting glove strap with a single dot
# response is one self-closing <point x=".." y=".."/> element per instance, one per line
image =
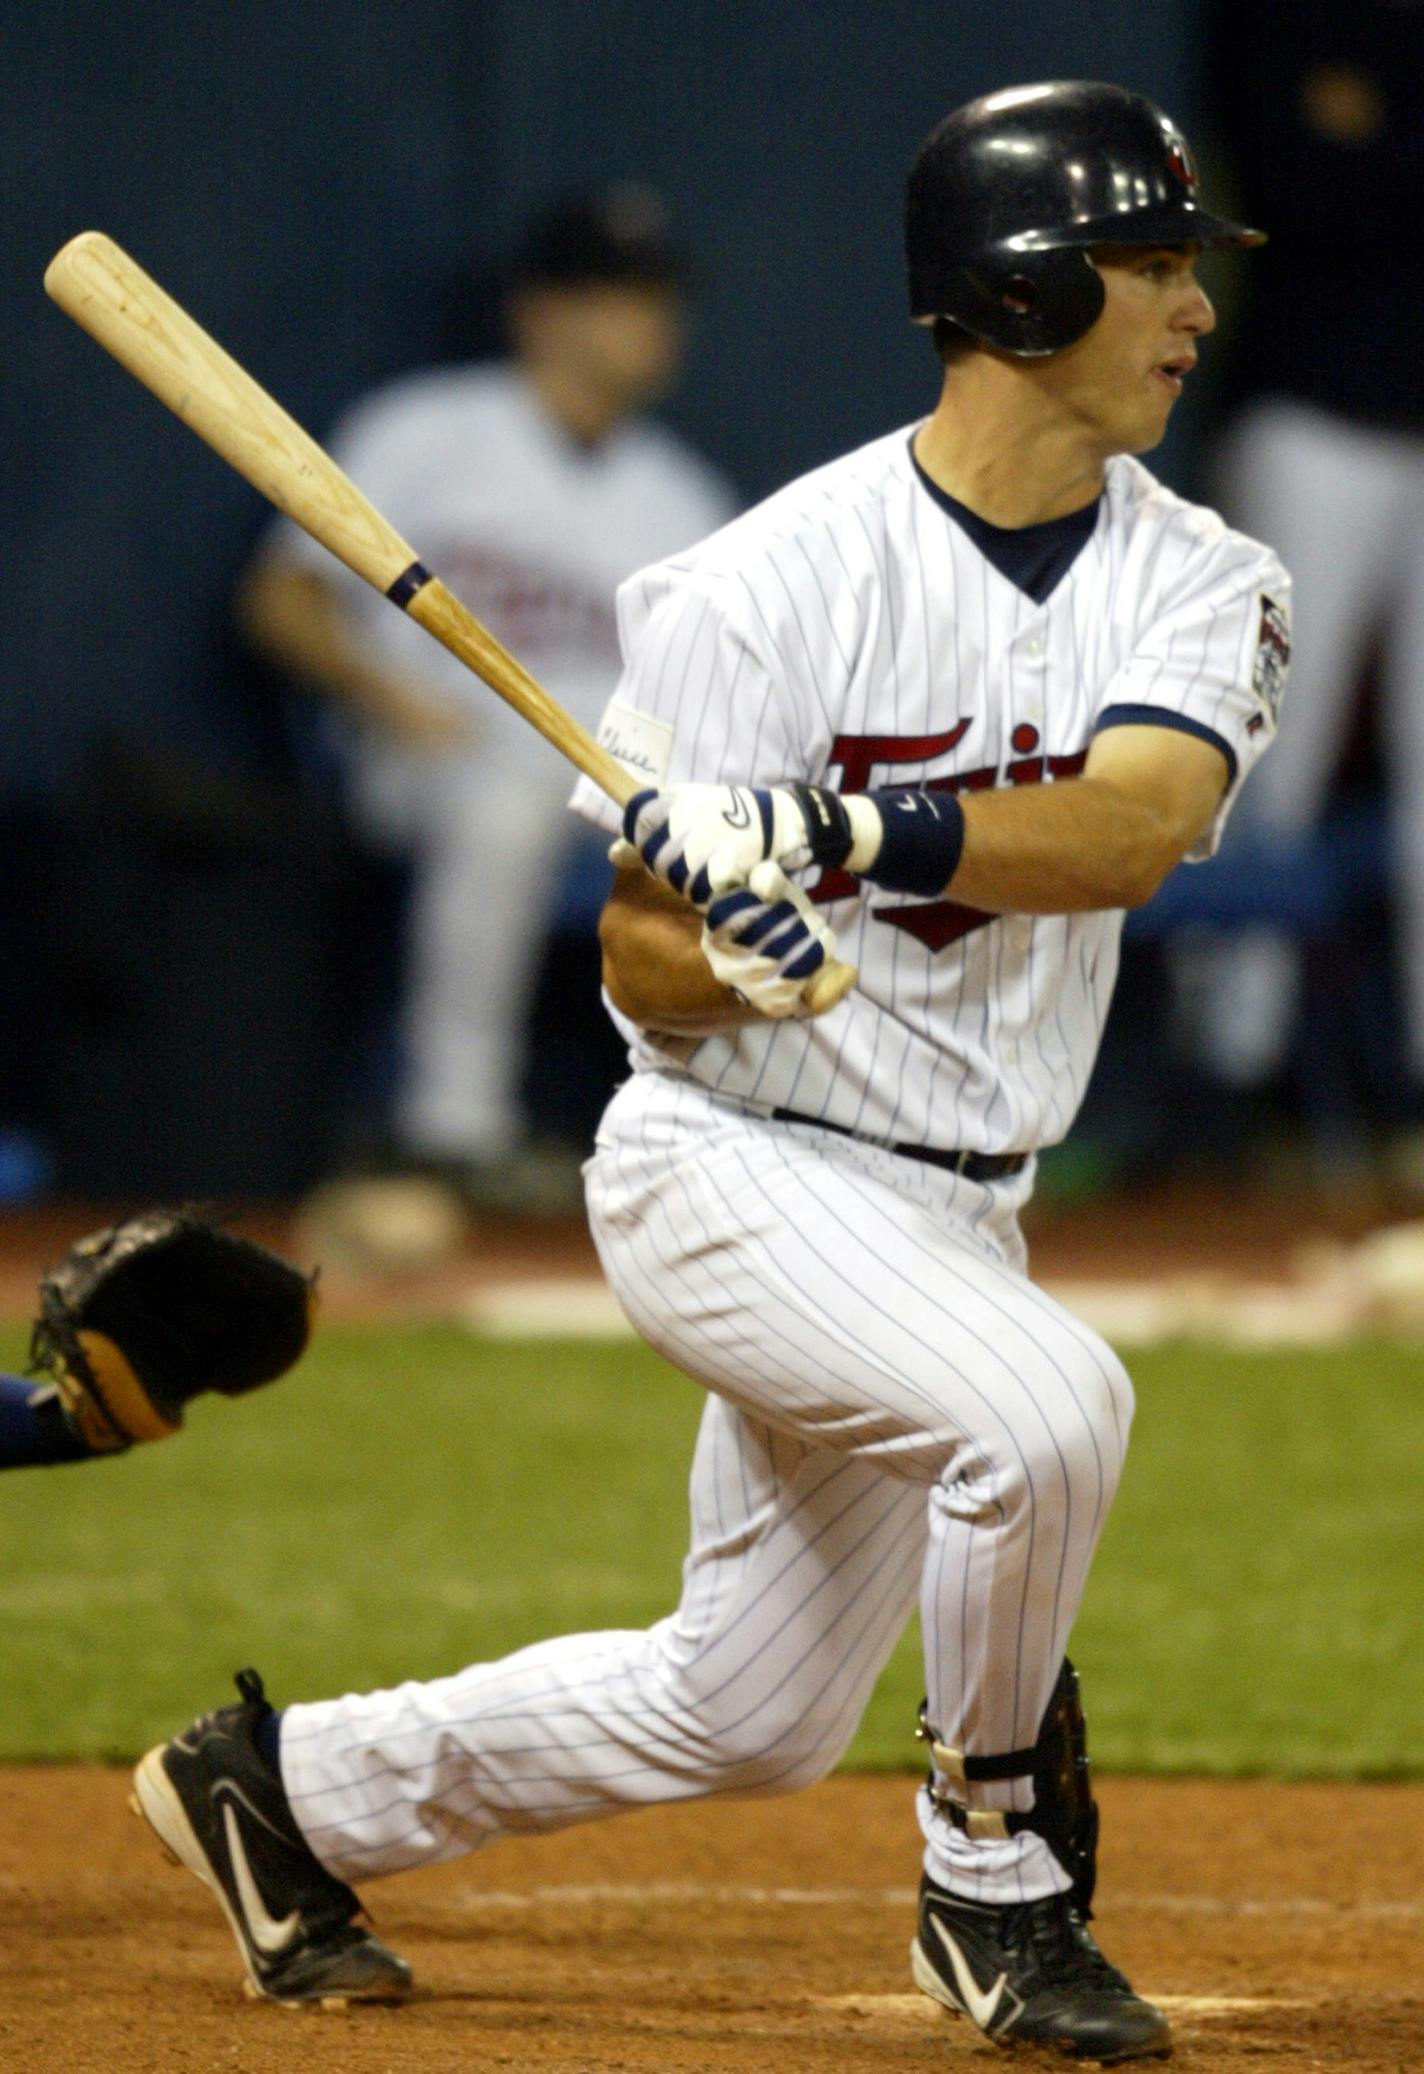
<point x="828" y="831"/>
<point x="921" y="841"/>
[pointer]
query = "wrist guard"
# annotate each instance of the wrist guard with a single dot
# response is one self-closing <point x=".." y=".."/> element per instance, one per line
<point x="921" y="842"/>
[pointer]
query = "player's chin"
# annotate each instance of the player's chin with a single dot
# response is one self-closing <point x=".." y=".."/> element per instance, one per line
<point x="1148" y="425"/>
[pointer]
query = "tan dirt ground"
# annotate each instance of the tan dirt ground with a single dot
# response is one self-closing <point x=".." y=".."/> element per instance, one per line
<point x="1280" y="1925"/>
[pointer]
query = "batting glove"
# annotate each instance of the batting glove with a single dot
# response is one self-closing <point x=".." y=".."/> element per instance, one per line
<point x="704" y="839"/>
<point x="766" y="942"/>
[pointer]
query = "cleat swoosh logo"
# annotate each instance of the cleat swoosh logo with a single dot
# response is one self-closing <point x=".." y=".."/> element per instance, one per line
<point x="737" y="813"/>
<point x="982" y="2004"/>
<point x="266" y="1932"/>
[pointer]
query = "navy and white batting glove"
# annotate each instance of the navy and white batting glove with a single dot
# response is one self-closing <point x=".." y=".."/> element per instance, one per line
<point x="766" y="942"/>
<point x="704" y="839"/>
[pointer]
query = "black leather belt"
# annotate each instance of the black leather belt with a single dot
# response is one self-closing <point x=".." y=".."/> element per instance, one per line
<point x="974" y="1166"/>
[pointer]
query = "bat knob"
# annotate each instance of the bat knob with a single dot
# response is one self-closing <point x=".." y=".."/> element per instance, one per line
<point x="830" y="986"/>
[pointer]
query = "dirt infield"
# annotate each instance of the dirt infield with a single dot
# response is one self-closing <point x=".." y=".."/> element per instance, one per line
<point x="1280" y="1925"/>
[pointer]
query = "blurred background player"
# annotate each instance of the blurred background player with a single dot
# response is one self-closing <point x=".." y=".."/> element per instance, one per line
<point x="535" y="487"/>
<point x="1324" y="450"/>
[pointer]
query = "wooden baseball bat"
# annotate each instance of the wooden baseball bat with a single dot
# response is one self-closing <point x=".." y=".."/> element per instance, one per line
<point x="122" y="307"/>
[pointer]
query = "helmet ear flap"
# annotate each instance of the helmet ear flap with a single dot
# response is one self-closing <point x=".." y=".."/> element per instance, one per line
<point x="1030" y="304"/>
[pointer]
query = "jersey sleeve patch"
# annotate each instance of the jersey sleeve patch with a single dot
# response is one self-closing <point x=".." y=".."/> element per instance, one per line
<point x="1272" y="655"/>
<point x="640" y="743"/>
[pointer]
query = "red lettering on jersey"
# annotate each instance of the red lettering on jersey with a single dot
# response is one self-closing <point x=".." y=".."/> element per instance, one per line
<point x="857" y="756"/>
<point x="934" y="923"/>
<point x="966" y="781"/>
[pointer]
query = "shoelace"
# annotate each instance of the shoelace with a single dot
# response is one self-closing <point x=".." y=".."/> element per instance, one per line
<point x="1062" y="1947"/>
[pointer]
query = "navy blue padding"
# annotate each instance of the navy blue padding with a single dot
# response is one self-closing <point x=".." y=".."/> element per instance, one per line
<point x="585" y="880"/>
<point x="1162" y="716"/>
<point x="1309" y="885"/>
<point x="1035" y="558"/>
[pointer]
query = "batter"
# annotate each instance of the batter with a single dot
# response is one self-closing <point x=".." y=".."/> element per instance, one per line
<point x="952" y="702"/>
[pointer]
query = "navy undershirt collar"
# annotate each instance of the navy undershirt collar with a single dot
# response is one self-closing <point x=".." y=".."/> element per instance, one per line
<point x="1035" y="558"/>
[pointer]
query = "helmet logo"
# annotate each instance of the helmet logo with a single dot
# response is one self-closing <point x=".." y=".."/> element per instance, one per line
<point x="1179" y="164"/>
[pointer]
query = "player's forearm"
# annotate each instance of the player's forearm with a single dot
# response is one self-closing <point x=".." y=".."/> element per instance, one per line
<point x="1074" y="847"/>
<point x="653" y="966"/>
<point x="1101" y="841"/>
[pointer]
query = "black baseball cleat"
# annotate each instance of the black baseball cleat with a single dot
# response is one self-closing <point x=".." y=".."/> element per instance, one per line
<point x="217" y="1806"/>
<point x="1030" y="1974"/>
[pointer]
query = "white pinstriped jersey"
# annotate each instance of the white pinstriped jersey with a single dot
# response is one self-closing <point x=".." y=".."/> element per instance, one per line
<point x="851" y="631"/>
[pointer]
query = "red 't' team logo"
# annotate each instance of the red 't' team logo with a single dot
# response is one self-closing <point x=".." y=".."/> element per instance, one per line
<point x="1179" y="163"/>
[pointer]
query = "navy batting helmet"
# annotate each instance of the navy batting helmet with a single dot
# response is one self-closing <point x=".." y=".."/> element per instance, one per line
<point x="1005" y="197"/>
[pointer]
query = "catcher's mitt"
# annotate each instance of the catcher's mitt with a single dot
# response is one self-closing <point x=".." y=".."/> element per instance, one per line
<point x="138" y="1318"/>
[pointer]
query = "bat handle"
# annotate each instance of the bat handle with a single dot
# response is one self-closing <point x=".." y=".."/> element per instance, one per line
<point x="830" y="986"/>
<point x="427" y="600"/>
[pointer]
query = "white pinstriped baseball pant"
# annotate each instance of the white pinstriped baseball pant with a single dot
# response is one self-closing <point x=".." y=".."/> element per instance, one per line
<point x="894" y="1406"/>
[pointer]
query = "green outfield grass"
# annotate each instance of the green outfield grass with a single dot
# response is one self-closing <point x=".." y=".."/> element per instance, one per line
<point x="414" y="1499"/>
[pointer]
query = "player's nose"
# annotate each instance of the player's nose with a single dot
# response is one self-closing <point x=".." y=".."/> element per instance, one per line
<point x="1197" y="314"/>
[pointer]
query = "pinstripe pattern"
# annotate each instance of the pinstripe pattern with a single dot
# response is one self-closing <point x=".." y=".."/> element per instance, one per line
<point x="893" y="1406"/>
<point x="852" y="603"/>
<point x="896" y="1406"/>
<point x="803" y="1570"/>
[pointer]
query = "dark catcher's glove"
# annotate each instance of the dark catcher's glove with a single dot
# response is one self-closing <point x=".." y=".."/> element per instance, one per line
<point x="140" y="1317"/>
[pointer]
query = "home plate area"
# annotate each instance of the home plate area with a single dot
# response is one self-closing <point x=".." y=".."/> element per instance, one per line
<point x="1279" y="1926"/>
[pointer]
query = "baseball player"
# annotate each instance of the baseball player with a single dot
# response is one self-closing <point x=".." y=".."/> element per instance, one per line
<point x="539" y="485"/>
<point x="960" y="698"/>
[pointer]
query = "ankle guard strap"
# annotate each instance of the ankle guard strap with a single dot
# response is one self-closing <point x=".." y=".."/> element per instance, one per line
<point x="1064" y="1812"/>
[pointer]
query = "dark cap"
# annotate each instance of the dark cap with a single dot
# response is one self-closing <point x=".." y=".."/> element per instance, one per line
<point x="618" y="232"/>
